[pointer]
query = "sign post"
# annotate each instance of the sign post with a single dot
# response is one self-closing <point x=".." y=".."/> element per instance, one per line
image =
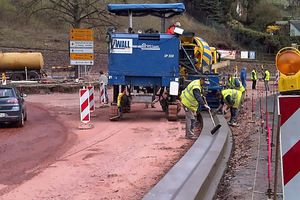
<point x="81" y="48"/>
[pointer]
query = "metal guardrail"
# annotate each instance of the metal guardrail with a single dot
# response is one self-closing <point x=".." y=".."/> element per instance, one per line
<point x="197" y="174"/>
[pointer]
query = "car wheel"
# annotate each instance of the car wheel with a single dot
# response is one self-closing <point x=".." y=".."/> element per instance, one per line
<point x="25" y="118"/>
<point x="20" y="123"/>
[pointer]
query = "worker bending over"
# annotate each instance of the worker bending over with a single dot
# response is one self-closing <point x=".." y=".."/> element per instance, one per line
<point x="232" y="99"/>
<point x="191" y="97"/>
<point x="234" y="83"/>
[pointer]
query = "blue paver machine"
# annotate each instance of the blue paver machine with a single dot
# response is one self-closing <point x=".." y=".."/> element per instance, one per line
<point x="143" y="66"/>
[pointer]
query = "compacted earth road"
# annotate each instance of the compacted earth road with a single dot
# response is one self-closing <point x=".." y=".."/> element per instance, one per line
<point x="50" y="158"/>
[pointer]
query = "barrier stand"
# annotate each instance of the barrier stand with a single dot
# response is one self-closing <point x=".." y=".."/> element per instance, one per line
<point x="269" y="191"/>
<point x="262" y="118"/>
<point x="246" y="113"/>
<point x="84" y="110"/>
<point x="253" y="109"/>
<point x="260" y="108"/>
<point x="273" y="124"/>
<point x="277" y="156"/>
<point x="266" y="109"/>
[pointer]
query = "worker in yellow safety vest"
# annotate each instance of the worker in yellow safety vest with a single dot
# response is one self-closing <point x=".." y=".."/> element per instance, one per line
<point x="254" y="78"/>
<point x="234" y="83"/>
<point x="266" y="79"/>
<point x="232" y="99"/>
<point x="191" y="97"/>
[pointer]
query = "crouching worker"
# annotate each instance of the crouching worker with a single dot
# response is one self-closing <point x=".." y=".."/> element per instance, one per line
<point x="191" y="97"/>
<point x="232" y="99"/>
<point x="234" y="83"/>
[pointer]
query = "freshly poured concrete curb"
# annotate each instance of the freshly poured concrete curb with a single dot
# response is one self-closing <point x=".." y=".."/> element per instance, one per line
<point x="197" y="174"/>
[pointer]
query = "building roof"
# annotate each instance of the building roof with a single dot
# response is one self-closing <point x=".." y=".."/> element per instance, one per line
<point x="296" y="24"/>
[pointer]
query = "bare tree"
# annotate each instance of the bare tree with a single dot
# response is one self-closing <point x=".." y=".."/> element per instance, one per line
<point x="77" y="13"/>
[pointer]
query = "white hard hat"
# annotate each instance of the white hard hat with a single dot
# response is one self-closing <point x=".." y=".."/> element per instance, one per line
<point x="178" y="23"/>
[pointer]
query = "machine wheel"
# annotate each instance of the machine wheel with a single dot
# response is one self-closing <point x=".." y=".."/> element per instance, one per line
<point x="126" y="109"/>
<point x="199" y="122"/>
<point x="163" y="104"/>
<point x="17" y="77"/>
<point x="125" y="103"/>
<point x="172" y="112"/>
<point x="114" y="114"/>
<point x="33" y="76"/>
<point x="178" y="106"/>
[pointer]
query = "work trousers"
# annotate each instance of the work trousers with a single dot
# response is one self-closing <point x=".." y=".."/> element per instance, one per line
<point x="189" y="122"/>
<point x="253" y="84"/>
<point x="244" y="84"/>
<point x="233" y="114"/>
<point x="267" y="86"/>
<point x="105" y="93"/>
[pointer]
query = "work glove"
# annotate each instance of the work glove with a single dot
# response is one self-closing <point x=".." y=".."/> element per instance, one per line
<point x="217" y="112"/>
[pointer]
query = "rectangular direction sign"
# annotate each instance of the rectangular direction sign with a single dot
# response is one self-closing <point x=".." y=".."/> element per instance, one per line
<point x="75" y="31"/>
<point x="82" y="37"/>
<point x="82" y="56"/>
<point x="81" y="50"/>
<point x="82" y="44"/>
<point x="81" y="62"/>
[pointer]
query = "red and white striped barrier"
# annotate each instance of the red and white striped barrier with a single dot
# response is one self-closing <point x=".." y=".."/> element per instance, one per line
<point x="289" y="109"/>
<point x="102" y="98"/>
<point x="84" y="105"/>
<point x="277" y="76"/>
<point x="91" y="98"/>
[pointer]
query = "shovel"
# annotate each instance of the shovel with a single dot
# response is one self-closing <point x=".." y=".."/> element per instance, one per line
<point x="216" y="128"/>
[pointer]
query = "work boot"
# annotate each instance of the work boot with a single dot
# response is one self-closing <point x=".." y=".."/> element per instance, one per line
<point x="192" y="137"/>
<point x="234" y="124"/>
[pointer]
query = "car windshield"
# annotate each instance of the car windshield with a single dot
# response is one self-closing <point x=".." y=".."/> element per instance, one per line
<point x="4" y="93"/>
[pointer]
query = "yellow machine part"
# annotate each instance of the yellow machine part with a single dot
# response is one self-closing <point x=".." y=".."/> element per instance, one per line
<point x="119" y="98"/>
<point x="18" y="61"/>
<point x="289" y="83"/>
<point x="205" y="54"/>
<point x="205" y="51"/>
<point x="288" y="63"/>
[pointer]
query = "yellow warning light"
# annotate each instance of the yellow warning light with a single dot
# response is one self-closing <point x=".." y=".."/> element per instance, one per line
<point x="288" y="60"/>
<point x="288" y="63"/>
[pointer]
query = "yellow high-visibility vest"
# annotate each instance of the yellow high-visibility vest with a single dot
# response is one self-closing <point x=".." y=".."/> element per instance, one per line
<point x="187" y="96"/>
<point x="235" y="96"/>
<point x="267" y="78"/>
<point x="231" y="84"/>
<point x="255" y="75"/>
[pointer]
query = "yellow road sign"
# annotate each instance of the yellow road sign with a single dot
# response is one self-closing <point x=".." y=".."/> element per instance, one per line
<point x="82" y="37"/>
<point x="82" y="56"/>
<point x="74" y="31"/>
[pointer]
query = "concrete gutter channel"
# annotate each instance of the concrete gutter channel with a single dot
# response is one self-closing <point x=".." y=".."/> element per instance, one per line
<point x="197" y="174"/>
